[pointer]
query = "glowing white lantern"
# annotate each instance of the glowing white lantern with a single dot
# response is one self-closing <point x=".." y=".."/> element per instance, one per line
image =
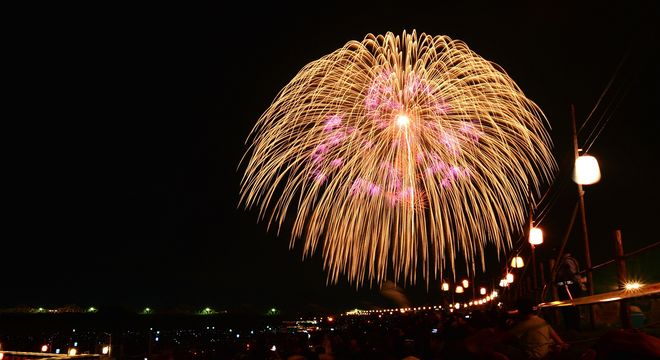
<point x="535" y="236"/>
<point x="586" y="170"/>
<point x="509" y="278"/>
<point x="517" y="262"/>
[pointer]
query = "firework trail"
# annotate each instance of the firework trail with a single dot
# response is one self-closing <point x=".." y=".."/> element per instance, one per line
<point x="395" y="154"/>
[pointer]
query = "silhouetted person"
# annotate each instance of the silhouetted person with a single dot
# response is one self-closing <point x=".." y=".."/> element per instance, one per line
<point x="536" y="337"/>
<point x="569" y="286"/>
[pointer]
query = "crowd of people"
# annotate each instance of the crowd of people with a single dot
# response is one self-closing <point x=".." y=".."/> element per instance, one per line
<point x="491" y="334"/>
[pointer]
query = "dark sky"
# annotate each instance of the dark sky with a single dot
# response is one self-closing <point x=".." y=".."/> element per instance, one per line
<point x="130" y="124"/>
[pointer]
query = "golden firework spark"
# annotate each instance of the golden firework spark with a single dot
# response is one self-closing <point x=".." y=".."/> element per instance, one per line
<point x="398" y="151"/>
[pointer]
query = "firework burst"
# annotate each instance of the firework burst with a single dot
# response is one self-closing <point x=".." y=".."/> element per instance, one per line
<point x="395" y="154"/>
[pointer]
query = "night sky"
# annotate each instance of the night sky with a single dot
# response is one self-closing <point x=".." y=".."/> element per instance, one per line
<point x="130" y="124"/>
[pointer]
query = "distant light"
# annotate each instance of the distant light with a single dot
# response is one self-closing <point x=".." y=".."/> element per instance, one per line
<point x="482" y="291"/>
<point x="535" y="236"/>
<point x="459" y="289"/>
<point x="72" y="352"/>
<point x="445" y="286"/>
<point x="331" y="319"/>
<point x="273" y="348"/>
<point x="40" y="309"/>
<point x="494" y="294"/>
<point x="156" y="338"/>
<point x="44" y="348"/>
<point x="504" y="283"/>
<point x="633" y="285"/>
<point x="74" y="330"/>
<point x="147" y="310"/>
<point x="105" y="350"/>
<point x="402" y="120"/>
<point x="2" y="355"/>
<point x="509" y="278"/>
<point x="586" y="170"/>
<point x="457" y="306"/>
<point x="75" y="343"/>
<point x="57" y="351"/>
<point x="517" y="262"/>
<point x="91" y="309"/>
<point x="466" y="283"/>
<point x="238" y="336"/>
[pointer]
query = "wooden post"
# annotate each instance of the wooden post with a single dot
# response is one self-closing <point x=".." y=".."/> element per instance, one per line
<point x="528" y="288"/>
<point x="622" y="275"/>
<point x="542" y="270"/>
<point x="534" y="283"/>
<point x="529" y="237"/>
<point x="583" y="217"/>
<point x="542" y="273"/>
<point x="555" y="294"/>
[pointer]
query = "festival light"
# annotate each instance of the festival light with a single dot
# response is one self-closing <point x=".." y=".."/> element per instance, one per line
<point x="634" y="285"/>
<point x="445" y="286"/>
<point x="586" y="170"/>
<point x="517" y="262"/>
<point x="535" y="236"/>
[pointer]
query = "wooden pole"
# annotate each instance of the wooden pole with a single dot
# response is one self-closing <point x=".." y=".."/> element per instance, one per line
<point x="529" y="237"/>
<point x="555" y="294"/>
<point x="534" y="283"/>
<point x="542" y="273"/>
<point x="622" y="276"/>
<point x="583" y="217"/>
